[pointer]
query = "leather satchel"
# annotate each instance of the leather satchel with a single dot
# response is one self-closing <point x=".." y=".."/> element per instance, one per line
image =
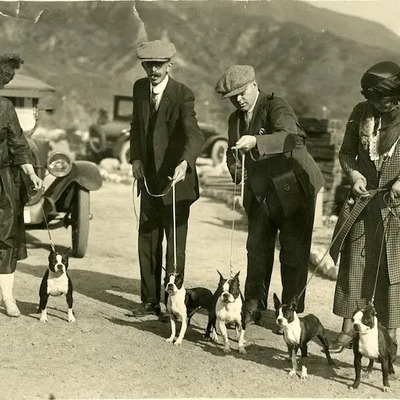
<point x="290" y="192"/>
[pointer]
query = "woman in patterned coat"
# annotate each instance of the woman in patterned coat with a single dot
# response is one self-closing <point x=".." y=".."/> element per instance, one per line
<point x="369" y="268"/>
<point x="15" y="156"/>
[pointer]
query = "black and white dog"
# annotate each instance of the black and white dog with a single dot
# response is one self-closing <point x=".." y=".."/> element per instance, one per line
<point x="373" y="341"/>
<point x="228" y="308"/>
<point x="56" y="282"/>
<point x="297" y="332"/>
<point x="183" y="303"/>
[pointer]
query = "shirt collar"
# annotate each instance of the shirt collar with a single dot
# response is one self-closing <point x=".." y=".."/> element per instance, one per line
<point x="160" y="87"/>
<point x="254" y="104"/>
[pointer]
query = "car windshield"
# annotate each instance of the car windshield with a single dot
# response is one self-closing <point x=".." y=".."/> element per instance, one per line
<point x="123" y="108"/>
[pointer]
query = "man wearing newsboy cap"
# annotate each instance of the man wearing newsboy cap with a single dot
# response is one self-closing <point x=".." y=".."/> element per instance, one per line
<point x="281" y="184"/>
<point x="165" y="141"/>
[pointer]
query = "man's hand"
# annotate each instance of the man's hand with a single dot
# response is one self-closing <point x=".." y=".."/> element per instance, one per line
<point x="36" y="182"/>
<point x="180" y="172"/>
<point x="395" y="190"/>
<point x="137" y="169"/>
<point x="245" y="143"/>
<point x="360" y="187"/>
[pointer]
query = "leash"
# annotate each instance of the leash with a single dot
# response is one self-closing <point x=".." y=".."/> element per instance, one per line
<point x="234" y="204"/>
<point x="159" y="195"/>
<point x="48" y="229"/>
<point x="370" y="193"/>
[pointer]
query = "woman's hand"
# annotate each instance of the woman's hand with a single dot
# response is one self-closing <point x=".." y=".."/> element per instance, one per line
<point x="36" y="182"/>
<point x="360" y="187"/>
<point x="395" y="190"/>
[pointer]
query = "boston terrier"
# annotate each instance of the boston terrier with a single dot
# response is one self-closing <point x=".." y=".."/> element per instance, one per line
<point x="183" y="303"/>
<point x="297" y="332"/>
<point x="373" y="341"/>
<point x="56" y="282"/>
<point x="228" y="305"/>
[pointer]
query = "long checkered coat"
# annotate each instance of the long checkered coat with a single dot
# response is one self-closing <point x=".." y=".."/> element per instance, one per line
<point x="364" y="247"/>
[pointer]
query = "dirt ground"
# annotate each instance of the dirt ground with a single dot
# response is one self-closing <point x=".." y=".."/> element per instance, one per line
<point x="108" y="354"/>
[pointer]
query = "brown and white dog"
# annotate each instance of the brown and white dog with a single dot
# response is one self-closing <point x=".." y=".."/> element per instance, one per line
<point x="183" y="303"/>
<point x="373" y="341"/>
<point x="297" y="332"/>
<point x="228" y="308"/>
<point x="56" y="282"/>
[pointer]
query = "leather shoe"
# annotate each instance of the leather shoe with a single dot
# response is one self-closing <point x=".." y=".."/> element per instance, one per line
<point x="146" y="309"/>
<point x="343" y="341"/>
<point x="278" y="330"/>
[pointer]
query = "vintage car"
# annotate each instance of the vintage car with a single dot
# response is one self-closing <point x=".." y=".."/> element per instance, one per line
<point x="65" y="197"/>
<point x="111" y="138"/>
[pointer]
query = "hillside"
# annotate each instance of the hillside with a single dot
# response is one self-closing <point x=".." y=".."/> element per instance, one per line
<point x="310" y="56"/>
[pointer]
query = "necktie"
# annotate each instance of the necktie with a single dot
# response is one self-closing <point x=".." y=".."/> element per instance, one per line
<point x="247" y="119"/>
<point x="153" y="103"/>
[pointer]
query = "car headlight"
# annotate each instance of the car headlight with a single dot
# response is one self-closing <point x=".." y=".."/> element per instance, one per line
<point x="59" y="164"/>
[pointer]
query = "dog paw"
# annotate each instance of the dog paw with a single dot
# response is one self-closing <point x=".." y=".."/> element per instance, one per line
<point x="387" y="389"/>
<point x="292" y="372"/>
<point x="242" y="350"/>
<point x="43" y="319"/>
<point x="227" y="349"/>
<point x="170" y="339"/>
<point x="71" y="319"/>
<point x="304" y="376"/>
<point x="178" y="342"/>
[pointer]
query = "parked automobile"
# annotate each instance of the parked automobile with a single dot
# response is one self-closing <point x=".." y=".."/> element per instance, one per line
<point x="111" y="138"/>
<point x="65" y="198"/>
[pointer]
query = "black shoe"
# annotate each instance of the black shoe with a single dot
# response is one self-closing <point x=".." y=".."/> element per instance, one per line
<point x="146" y="309"/>
<point x="278" y="330"/>
<point x="343" y="341"/>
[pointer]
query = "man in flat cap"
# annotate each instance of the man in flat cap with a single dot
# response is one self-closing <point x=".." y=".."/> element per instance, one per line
<point x="165" y="141"/>
<point x="281" y="184"/>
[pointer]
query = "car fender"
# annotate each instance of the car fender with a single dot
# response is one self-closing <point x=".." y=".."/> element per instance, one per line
<point x="84" y="173"/>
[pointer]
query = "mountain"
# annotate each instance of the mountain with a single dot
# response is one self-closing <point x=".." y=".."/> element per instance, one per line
<point x="312" y="57"/>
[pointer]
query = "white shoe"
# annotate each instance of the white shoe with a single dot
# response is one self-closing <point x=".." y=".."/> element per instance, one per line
<point x="11" y="307"/>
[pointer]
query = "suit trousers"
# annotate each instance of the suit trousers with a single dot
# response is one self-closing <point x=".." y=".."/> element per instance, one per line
<point x="295" y="233"/>
<point x="156" y="220"/>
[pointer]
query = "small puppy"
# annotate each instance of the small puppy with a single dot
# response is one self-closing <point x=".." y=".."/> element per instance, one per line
<point x="297" y="332"/>
<point x="227" y="308"/>
<point x="56" y="282"/>
<point x="373" y="341"/>
<point x="183" y="303"/>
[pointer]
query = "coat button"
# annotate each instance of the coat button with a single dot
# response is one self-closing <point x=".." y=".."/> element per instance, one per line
<point x="286" y="187"/>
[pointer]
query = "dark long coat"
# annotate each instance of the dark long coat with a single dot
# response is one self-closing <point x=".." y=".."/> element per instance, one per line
<point x="363" y="247"/>
<point x="176" y="137"/>
<point x="14" y="151"/>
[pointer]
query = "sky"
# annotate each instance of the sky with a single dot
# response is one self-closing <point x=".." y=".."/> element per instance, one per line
<point x="386" y="12"/>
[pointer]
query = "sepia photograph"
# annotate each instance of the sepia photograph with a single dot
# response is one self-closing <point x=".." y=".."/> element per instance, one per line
<point x="199" y="199"/>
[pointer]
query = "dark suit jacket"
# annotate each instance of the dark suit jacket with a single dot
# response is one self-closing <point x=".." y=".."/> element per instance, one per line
<point x="280" y="147"/>
<point x="176" y="136"/>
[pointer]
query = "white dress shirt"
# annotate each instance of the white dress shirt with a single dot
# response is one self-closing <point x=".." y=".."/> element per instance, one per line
<point x="159" y="90"/>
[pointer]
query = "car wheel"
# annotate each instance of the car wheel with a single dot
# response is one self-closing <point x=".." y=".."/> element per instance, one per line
<point x="80" y="216"/>
<point x="218" y="151"/>
<point x="97" y="139"/>
<point x="124" y="152"/>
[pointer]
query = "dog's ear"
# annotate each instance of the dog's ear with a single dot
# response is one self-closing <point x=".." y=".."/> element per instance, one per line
<point x="237" y="275"/>
<point x="277" y="302"/>
<point x="221" y="278"/>
<point x="293" y="303"/>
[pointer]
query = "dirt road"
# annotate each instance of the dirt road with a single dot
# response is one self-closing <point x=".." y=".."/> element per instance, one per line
<point x="108" y="354"/>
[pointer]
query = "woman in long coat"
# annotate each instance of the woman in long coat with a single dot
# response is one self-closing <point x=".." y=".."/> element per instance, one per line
<point x="15" y="156"/>
<point x="369" y="268"/>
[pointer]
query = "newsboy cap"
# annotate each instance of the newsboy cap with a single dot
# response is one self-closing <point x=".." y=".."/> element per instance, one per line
<point x="235" y="80"/>
<point x="157" y="50"/>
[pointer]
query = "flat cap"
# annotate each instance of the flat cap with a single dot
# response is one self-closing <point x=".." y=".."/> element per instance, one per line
<point x="156" y="50"/>
<point x="235" y="80"/>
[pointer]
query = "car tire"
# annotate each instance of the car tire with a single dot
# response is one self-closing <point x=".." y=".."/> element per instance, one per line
<point x="124" y="154"/>
<point x="218" y="151"/>
<point x="80" y="217"/>
<point x="97" y="139"/>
